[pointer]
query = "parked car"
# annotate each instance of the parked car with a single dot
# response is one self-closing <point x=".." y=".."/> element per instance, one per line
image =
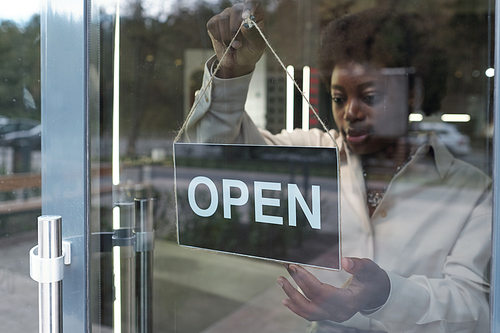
<point x="20" y="132"/>
<point x="457" y="143"/>
<point x="24" y="138"/>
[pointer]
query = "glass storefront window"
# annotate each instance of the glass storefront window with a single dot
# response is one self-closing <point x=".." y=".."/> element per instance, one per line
<point x="408" y="99"/>
<point x="20" y="161"/>
<point x="405" y="90"/>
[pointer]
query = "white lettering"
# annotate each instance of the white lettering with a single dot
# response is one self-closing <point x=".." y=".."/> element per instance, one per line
<point x="214" y="197"/>
<point x="226" y="195"/>
<point x="294" y="195"/>
<point x="261" y="201"/>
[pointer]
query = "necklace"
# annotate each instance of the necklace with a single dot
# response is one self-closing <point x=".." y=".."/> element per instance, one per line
<point x="380" y="174"/>
<point x="374" y="197"/>
<point x="375" y="194"/>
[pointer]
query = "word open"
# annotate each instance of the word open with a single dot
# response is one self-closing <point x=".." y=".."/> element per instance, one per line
<point x="313" y="215"/>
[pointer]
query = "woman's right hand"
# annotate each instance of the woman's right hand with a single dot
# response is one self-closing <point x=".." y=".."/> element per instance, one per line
<point x="248" y="46"/>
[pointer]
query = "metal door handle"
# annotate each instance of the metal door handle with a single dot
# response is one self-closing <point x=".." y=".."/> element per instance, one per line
<point x="47" y="261"/>
<point x="144" y="246"/>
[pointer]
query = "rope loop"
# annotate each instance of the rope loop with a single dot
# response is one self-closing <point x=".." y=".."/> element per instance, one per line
<point x="249" y="23"/>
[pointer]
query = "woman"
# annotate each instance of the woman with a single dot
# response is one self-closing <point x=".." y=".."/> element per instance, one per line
<point x="415" y="220"/>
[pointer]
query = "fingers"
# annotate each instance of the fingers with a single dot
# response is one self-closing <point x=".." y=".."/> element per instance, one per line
<point x="363" y="269"/>
<point x="251" y="7"/>
<point x="299" y="304"/>
<point x="229" y="23"/>
<point x="294" y="295"/>
<point x="320" y="301"/>
<point x="223" y="27"/>
<point x="247" y="48"/>
<point x="219" y="28"/>
<point x="255" y="9"/>
<point x="369" y="280"/>
<point x="368" y="288"/>
<point x="235" y="21"/>
<point x="308" y="283"/>
<point x="213" y="29"/>
<point x="296" y="309"/>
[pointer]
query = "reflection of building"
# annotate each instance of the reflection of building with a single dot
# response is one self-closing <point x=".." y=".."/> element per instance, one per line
<point x="278" y="99"/>
<point x="194" y="61"/>
<point x="276" y="88"/>
<point x="267" y="94"/>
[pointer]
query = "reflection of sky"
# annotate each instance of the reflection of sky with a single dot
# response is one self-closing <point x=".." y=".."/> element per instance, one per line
<point x="153" y="8"/>
<point x="21" y="11"/>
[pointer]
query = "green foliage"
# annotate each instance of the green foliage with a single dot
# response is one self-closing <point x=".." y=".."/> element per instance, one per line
<point x="20" y="69"/>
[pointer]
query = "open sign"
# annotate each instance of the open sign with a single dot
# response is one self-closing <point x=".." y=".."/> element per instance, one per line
<point x="271" y="202"/>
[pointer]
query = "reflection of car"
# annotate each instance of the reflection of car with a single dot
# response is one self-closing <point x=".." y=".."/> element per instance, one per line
<point x="457" y="143"/>
<point x="20" y="132"/>
<point x="27" y="138"/>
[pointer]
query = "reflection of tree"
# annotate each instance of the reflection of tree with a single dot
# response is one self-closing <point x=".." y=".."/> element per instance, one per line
<point x="20" y="69"/>
<point x="152" y="50"/>
<point x="151" y="72"/>
<point x="138" y="51"/>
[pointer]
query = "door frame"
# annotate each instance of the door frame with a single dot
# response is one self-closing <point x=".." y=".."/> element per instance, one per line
<point x="65" y="143"/>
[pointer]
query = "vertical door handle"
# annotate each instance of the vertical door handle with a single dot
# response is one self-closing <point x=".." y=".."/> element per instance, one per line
<point x="47" y="261"/>
<point x="144" y="245"/>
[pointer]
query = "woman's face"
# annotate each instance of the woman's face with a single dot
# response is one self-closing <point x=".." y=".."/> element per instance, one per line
<point x="370" y="105"/>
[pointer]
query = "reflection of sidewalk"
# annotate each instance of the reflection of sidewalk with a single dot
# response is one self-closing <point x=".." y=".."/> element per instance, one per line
<point x="18" y="292"/>
<point x="194" y="290"/>
<point x="221" y="293"/>
<point x="263" y="314"/>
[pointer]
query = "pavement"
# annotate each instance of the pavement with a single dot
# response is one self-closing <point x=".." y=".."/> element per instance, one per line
<point x="226" y="293"/>
<point x="18" y="292"/>
<point x="194" y="291"/>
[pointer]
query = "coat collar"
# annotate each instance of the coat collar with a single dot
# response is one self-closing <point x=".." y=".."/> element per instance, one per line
<point x="441" y="155"/>
<point x="433" y="147"/>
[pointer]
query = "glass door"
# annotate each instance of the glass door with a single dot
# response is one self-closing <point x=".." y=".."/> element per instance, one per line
<point x="110" y="83"/>
<point x="152" y="58"/>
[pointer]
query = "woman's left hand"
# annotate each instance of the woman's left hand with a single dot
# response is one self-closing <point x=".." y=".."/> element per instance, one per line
<point x="367" y="289"/>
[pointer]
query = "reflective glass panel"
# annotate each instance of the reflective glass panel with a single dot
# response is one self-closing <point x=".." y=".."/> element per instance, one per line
<point x="402" y="89"/>
<point x="20" y="164"/>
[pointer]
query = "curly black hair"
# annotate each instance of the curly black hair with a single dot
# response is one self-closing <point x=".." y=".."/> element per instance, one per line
<point x="386" y="39"/>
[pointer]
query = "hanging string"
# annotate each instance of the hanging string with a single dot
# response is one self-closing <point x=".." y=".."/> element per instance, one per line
<point x="202" y="92"/>
<point x="249" y="23"/>
<point x="297" y="86"/>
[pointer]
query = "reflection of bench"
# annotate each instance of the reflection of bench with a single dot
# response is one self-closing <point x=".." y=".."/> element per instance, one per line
<point x="10" y="207"/>
<point x="18" y="182"/>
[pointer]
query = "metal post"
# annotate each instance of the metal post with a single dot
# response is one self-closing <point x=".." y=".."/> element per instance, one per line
<point x="144" y="253"/>
<point x="50" y="293"/>
<point x="495" y="260"/>
<point x="123" y="242"/>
